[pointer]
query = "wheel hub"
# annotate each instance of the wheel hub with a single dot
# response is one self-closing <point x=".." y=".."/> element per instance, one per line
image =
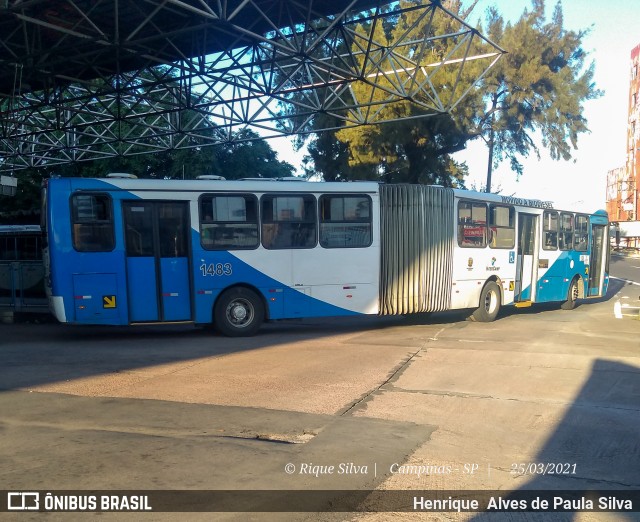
<point x="238" y="312"/>
<point x="490" y="302"/>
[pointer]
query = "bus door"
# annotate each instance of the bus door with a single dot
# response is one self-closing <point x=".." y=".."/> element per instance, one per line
<point x="596" y="260"/>
<point x="157" y="257"/>
<point x="526" y="262"/>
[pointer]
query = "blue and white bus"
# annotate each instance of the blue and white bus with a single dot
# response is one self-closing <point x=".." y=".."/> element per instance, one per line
<point x="234" y="254"/>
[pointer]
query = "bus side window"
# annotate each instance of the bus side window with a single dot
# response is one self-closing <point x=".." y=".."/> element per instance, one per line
<point x="92" y="223"/>
<point x="581" y="237"/>
<point x="228" y="221"/>
<point x="550" y="230"/>
<point x="502" y="226"/>
<point x="566" y="231"/>
<point x="345" y="221"/>
<point x="288" y="221"/>
<point x="472" y="224"/>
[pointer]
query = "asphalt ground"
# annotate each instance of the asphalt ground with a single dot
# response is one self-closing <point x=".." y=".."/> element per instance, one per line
<point x="395" y="403"/>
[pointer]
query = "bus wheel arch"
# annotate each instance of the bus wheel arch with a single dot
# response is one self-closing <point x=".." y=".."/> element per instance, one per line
<point x="239" y="311"/>
<point x="490" y="302"/>
<point x="574" y="293"/>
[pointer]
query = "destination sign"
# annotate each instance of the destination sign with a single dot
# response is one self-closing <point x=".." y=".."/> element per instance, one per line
<point x="535" y="203"/>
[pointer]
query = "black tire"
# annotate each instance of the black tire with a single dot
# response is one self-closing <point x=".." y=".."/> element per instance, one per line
<point x="572" y="295"/>
<point x="489" y="306"/>
<point x="239" y="312"/>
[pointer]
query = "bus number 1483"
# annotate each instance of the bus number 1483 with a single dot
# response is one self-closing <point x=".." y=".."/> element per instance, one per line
<point x="216" y="269"/>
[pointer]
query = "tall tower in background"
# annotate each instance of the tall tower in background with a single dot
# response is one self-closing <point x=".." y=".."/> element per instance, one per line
<point x="622" y="183"/>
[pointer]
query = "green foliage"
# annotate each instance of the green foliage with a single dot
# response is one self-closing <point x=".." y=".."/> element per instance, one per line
<point x="540" y="85"/>
<point x="329" y="157"/>
<point x="415" y="148"/>
<point x="537" y="89"/>
<point x="24" y="207"/>
<point x="250" y="156"/>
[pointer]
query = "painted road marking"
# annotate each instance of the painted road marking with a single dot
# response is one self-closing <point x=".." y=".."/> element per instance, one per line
<point x="625" y="280"/>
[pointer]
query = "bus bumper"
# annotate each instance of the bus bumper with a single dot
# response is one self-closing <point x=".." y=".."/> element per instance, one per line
<point x="56" y="305"/>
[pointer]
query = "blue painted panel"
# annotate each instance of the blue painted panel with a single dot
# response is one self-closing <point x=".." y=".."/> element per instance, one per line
<point x="525" y="295"/>
<point x="176" y="299"/>
<point x="216" y="270"/>
<point x="89" y="293"/>
<point x="275" y="301"/>
<point x="298" y="302"/>
<point x="142" y="291"/>
<point x="559" y="276"/>
<point x="551" y="289"/>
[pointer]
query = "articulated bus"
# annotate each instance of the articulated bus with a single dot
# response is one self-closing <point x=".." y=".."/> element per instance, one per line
<point x="234" y="254"/>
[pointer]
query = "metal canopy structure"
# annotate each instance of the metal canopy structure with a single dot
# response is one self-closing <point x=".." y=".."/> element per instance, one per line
<point x="89" y="79"/>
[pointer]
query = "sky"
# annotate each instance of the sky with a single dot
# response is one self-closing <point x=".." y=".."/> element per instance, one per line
<point x="579" y="184"/>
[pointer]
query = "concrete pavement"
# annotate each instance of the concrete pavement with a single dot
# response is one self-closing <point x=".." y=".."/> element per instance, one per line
<point x="179" y="408"/>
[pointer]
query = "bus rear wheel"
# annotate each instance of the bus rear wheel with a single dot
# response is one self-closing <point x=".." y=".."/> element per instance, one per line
<point x="239" y="312"/>
<point x="489" y="304"/>
<point x="572" y="296"/>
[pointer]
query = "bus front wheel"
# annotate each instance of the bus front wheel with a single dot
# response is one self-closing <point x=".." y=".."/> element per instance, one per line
<point x="489" y="304"/>
<point x="239" y="312"/>
<point x="572" y="296"/>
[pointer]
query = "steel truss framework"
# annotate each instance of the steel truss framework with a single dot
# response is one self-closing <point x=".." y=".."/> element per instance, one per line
<point x="104" y="78"/>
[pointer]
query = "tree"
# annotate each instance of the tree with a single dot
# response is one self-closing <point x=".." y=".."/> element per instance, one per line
<point x="417" y="147"/>
<point x="538" y="87"/>
<point x="24" y="207"/>
<point x="328" y="157"/>
<point x="248" y="155"/>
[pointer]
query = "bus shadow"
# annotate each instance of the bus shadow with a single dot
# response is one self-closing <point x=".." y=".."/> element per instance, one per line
<point x="614" y="288"/>
<point x="595" y="443"/>
<point x="38" y="350"/>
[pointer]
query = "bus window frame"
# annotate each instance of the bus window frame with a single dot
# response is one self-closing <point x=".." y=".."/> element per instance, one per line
<point x="546" y="231"/>
<point x="109" y="221"/>
<point x="8" y="249"/>
<point x="586" y="233"/>
<point x="13" y="240"/>
<point x="346" y="223"/>
<point x="512" y="227"/>
<point x="276" y="230"/>
<point x="202" y="221"/>
<point x="462" y="224"/>
<point x="562" y="244"/>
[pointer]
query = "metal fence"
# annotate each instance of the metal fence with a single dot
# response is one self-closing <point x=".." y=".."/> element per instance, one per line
<point x="21" y="269"/>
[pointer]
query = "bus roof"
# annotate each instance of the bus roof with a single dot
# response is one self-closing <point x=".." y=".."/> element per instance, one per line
<point x="207" y="185"/>
<point x="499" y="198"/>
<point x="269" y="185"/>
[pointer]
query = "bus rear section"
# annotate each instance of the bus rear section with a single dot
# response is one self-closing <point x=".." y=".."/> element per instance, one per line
<point x="529" y="253"/>
<point x="85" y="271"/>
<point x="448" y="249"/>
